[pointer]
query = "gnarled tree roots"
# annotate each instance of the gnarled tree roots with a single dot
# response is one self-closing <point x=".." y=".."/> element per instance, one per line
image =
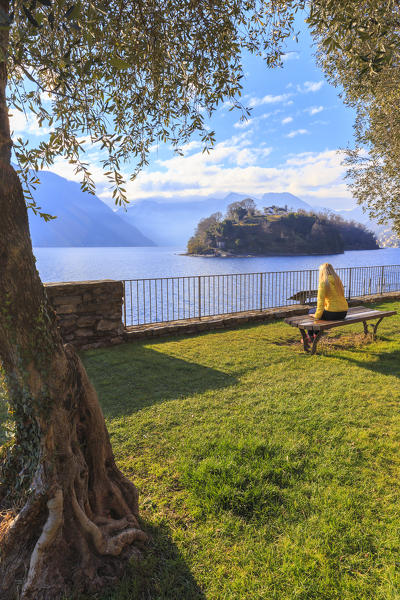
<point x="79" y="524"/>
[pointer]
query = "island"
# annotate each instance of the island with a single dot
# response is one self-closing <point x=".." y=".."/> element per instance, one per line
<point x="276" y="231"/>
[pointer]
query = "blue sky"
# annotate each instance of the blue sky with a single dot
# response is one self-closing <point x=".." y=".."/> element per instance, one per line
<point x="289" y="143"/>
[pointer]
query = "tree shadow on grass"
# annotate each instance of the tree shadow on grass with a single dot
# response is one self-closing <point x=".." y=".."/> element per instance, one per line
<point x="131" y="377"/>
<point x="161" y="574"/>
<point x="385" y="363"/>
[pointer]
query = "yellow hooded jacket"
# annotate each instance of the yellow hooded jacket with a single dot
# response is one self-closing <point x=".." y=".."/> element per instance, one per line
<point x="330" y="297"/>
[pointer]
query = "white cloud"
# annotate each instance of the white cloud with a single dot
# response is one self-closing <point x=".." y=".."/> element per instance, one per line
<point x="234" y="164"/>
<point x="268" y="99"/>
<point x="317" y="176"/>
<point x="45" y="97"/>
<point x="293" y="134"/>
<point x="194" y="145"/>
<point x="66" y="169"/>
<point x="287" y="120"/>
<point x="290" y="56"/>
<point x="243" y="124"/>
<point x="254" y="122"/>
<point x="264" y="152"/>
<point x="310" y="86"/>
<point x="227" y="105"/>
<point x="25" y="124"/>
<point x="314" y="110"/>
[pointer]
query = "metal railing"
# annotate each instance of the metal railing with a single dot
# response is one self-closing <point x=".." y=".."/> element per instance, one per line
<point x="195" y="296"/>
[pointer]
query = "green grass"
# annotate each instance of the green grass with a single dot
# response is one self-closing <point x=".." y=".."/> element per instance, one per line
<point x="264" y="473"/>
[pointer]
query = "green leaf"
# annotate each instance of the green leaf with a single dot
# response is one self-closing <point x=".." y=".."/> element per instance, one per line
<point x="119" y="63"/>
<point x="47" y="217"/>
<point x="72" y="12"/>
<point x="29" y="76"/>
<point x="30" y="16"/>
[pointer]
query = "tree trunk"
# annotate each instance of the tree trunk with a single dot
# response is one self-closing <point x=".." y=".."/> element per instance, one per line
<point x="68" y="519"/>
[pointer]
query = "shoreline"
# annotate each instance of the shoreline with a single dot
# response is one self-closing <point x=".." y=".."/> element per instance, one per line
<point x="229" y="255"/>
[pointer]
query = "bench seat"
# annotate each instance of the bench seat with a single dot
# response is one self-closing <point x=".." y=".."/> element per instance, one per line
<point x="355" y="314"/>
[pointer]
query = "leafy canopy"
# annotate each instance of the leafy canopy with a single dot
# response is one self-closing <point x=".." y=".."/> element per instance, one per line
<point x="359" y="50"/>
<point x="125" y="75"/>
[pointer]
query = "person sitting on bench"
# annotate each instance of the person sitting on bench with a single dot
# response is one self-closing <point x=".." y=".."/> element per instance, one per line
<point x="331" y="303"/>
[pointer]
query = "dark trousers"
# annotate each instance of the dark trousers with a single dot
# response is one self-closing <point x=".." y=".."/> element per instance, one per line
<point x="327" y="315"/>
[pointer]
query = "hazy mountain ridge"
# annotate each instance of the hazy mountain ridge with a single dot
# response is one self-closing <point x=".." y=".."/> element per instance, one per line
<point x="85" y="220"/>
<point x="82" y="219"/>
<point x="385" y="235"/>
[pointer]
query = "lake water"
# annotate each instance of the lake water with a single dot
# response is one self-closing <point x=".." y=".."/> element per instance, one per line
<point x="79" y="264"/>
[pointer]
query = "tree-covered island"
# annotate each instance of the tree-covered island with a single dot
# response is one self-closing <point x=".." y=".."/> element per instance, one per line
<point x="245" y="230"/>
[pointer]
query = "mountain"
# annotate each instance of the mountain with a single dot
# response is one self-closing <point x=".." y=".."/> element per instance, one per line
<point x="82" y="219"/>
<point x="170" y="223"/>
<point x="384" y="233"/>
<point x="283" y="199"/>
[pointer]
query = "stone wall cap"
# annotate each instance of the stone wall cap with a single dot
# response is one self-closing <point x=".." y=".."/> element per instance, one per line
<point x="89" y="282"/>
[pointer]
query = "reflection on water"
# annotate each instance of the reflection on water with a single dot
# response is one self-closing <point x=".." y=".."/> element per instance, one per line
<point x="79" y="264"/>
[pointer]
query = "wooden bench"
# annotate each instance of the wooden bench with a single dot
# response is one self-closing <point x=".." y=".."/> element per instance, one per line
<point x="356" y="314"/>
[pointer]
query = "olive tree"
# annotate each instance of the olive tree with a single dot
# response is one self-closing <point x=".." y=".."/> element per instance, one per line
<point x="122" y="75"/>
<point x="358" y="47"/>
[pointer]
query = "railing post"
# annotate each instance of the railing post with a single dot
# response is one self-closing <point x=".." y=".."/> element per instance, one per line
<point x="349" y="292"/>
<point x="382" y="276"/>
<point x="199" y="294"/>
<point x="261" y="290"/>
<point x="124" y="300"/>
<point x="310" y="281"/>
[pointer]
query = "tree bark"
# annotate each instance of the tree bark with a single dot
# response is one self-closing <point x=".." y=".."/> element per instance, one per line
<point x="69" y="518"/>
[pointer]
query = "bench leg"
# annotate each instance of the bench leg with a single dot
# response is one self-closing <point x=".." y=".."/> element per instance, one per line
<point x="376" y="327"/>
<point x="305" y="340"/>
<point x="315" y="342"/>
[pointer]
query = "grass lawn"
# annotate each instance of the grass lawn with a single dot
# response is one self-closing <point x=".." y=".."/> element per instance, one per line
<point x="264" y="473"/>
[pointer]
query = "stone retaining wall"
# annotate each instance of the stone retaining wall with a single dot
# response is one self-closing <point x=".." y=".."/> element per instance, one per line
<point x="227" y="321"/>
<point x="89" y="312"/>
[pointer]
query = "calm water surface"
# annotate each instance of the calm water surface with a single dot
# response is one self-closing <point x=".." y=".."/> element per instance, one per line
<point x="79" y="264"/>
